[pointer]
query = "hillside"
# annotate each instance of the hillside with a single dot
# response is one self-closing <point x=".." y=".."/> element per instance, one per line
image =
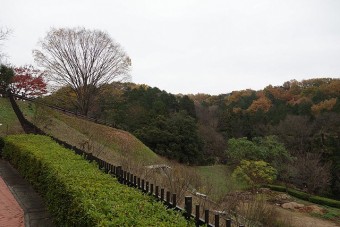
<point x="112" y="144"/>
<point x="9" y="123"/>
<point x="120" y="147"/>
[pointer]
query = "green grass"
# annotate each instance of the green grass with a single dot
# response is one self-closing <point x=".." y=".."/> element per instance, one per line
<point x="218" y="178"/>
<point x="8" y="120"/>
<point x="331" y="213"/>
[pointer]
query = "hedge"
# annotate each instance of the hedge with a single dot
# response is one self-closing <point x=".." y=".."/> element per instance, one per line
<point x="277" y="188"/>
<point x="298" y="194"/>
<point x="305" y="196"/>
<point x="325" y="201"/>
<point x="77" y="193"/>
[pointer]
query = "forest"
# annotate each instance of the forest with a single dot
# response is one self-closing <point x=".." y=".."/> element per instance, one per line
<point x="298" y="122"/>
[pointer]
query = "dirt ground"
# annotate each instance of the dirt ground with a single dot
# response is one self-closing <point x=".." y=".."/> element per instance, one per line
<point x="11" y="214"/>
<point x="298" y="219"/>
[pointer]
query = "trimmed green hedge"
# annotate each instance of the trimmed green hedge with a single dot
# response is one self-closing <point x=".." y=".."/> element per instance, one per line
<point x="298" y="194"/>
<point x="306" y="196"/>
<point x="277" y="188"/>
<point x="77" y="193"/>
<point x="325" y="201"/>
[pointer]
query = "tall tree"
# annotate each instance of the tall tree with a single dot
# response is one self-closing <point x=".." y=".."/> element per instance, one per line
<point x="82" y="59"/>
<point x="6" y="76"/>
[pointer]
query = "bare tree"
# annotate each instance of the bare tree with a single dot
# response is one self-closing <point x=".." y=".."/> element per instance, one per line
<point x="4" y="33"/>
<point x="83" y="59"/>
<point x="313" y="173"/>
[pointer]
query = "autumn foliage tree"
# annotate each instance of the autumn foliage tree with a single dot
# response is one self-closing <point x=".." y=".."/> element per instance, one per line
<point x="28" y="81"/>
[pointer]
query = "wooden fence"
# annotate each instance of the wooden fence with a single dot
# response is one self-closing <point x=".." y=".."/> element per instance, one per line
<point x="189" y="211"/>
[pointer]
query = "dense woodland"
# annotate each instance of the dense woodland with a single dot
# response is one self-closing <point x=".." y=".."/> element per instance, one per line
<point x="298" y="122"/>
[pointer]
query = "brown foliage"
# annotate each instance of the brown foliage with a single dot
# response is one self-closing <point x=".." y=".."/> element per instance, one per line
<point x="262" y="103"/>
<point x="324" y="105"/>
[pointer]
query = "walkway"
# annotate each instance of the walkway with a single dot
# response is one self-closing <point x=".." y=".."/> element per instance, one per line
<point x="35" y="212"/>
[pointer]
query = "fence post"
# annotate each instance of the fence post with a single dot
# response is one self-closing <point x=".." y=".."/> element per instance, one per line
<point x="197" y="216"/>
<point x="157" y="192"/>
<point x="188" y="206"/>
<point x="168" y="198"/>
<point x="105" y="166"/>
<point x="147" y="187"/>
<point x="131" y="179"/>
<point x="121" y="176"/>
<point x="135" y="181"/>
<point x="143" y="182"/>
<point x="228" y="222"/>
<point x="162" y="194"/>
<point x="206" y="217"/>
<point x="138" y="183"/>
<point x="174" y="200"/>
<point x="124" y="177"/>
<point x="127" y="177"/>
<point x="151" y="189"/>
<point x="217" y="220"/>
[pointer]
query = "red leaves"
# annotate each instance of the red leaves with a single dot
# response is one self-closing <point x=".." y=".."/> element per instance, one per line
<point x="28" y="81"/>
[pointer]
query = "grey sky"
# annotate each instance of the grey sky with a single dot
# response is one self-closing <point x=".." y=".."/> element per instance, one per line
<point x="187" y="46"/>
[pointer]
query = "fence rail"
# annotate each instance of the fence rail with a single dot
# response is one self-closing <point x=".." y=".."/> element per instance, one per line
<point x="129" y="179"/>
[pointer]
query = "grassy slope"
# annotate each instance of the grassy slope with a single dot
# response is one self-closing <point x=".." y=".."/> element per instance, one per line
<point x="103" y="141"/>
<point x="8" y="119"/>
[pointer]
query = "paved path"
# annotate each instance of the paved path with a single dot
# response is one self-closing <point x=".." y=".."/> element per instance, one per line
<point x="11" y="214"/>
<point x="35" y="212"/>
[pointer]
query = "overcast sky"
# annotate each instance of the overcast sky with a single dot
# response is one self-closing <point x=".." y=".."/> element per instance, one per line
<point x="194" y="46"/>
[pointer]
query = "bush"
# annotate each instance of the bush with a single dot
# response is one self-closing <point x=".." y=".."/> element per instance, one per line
<point x="254" y="173"/>
<point x="277" y="188"/>
<point x="77" y="193"/>
<point x="306" y="196"/>
<point x="325" y="201"/>
<point x="298" y="194"/>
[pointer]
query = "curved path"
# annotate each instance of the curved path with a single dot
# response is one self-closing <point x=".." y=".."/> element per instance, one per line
<point x="16" y="192"/>
<point x="11" y="214"/>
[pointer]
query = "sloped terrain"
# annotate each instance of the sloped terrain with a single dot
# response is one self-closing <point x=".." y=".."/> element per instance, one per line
<point x="9" y="124"/>
<point x="114" y="145"/>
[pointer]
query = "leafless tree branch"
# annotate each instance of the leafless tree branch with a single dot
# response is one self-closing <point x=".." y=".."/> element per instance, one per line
<point x="83" y="59"/>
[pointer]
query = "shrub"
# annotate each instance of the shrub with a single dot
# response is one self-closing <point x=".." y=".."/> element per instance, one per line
<point x="254" y="173"/>
<point x="298" y="194"/>
<point x="306" y="196"/>
<point x="325" y="201"/>
<point x="277" y="188"/>
<point x="77" y="193"/>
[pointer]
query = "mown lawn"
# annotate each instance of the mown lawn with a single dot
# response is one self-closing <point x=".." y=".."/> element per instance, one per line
<point x="8" y="120"/>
